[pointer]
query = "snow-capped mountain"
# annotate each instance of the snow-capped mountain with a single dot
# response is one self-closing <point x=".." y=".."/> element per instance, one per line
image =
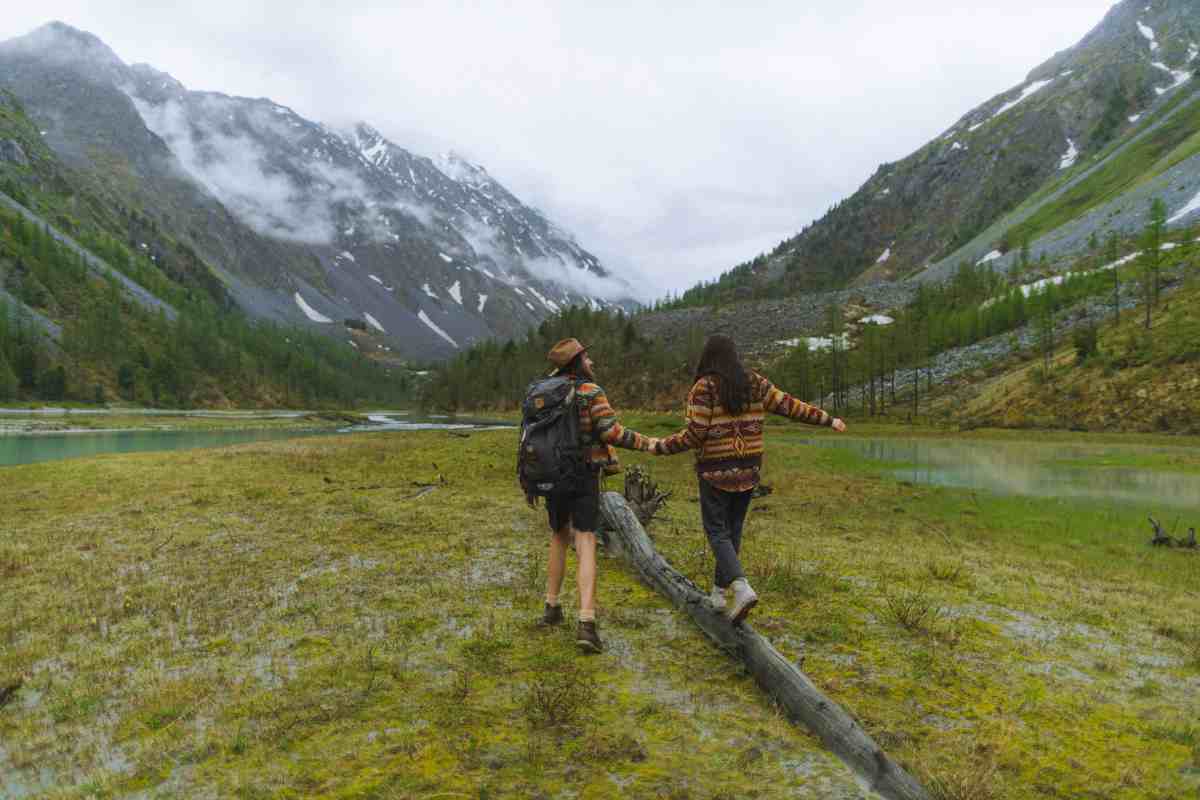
<point x="302" y="222"/>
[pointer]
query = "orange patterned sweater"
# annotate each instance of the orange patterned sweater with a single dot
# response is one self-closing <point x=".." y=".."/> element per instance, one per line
<point x="729" y="449"/>
<point x="600" y="430"/>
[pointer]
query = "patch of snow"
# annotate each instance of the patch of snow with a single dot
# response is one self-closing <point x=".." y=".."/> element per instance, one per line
<point x="529" y="306"/>
<point x="456" y="292"/>
<point x="309" y="311"/>
<point x="346" y="255"/>
<point x="1135" y="117"/>
<point x="1148" y="32"/>
<point x="826" y="342"/>
<point x="886" y="192"/>
<point x="1192" y="205"/>
<point x="517" y="289"/>
<point x="1026" y="93"/>
<point x="425" y="288"/>
<point x="878" y="319"/>
<point x="421" y="315"/>
<point x="376" y="279"/>
<point x="992" y="256"/>
<point x="976" y="126"/>
<point x="446" y="258"/>
<point x="482" y="302"/>
<point x="886" y="255"/>
<point x="353" y="344"/>
<point x="815" y="342"/>
<point x="1029" y="288"/>
<point x="1179" y="77"/>
<point x="550" y="304"/>
<point x="957" y="146"/>
<point x="1120" y="262"/>
<point x="1069" y="158"/>
<point x="374" y="323"/>
<point x="487" y="272"/>
<point x="374" y="152"/>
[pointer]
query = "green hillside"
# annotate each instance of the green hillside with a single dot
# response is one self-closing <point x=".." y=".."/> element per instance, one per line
<point x="114" y="348"/>
<point x="1132" y="378"/>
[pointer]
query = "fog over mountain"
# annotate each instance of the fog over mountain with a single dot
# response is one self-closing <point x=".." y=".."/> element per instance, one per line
<point x="675" y="144"/>
<point x="334" y="227"/>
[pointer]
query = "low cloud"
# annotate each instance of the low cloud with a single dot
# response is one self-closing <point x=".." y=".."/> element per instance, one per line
<point x="237" y="170"/>
<point x="577" y="279"/>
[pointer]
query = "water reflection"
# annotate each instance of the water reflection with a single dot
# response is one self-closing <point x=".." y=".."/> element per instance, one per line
<point x="1028" y="469"/>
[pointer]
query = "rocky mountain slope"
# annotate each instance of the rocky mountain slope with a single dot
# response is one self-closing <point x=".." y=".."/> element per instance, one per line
<point x="1091" y="134"/>
<point x="297" y="222"/>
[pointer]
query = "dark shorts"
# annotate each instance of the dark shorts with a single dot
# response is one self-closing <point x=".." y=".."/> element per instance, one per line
<point x="581" y="510"/>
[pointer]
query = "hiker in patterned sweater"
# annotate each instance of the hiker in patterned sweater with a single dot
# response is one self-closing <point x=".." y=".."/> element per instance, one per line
<point x="725" y="411"/>
<point x="577" y="514"/>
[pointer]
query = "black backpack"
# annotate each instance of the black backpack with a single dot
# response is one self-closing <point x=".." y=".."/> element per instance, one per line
<point x="550" y="458"/>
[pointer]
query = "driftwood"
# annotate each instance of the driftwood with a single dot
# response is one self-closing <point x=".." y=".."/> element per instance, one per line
<point x="1163" y="539"/>
<point x="803" y="702"/>
<point x="643" y="495"/>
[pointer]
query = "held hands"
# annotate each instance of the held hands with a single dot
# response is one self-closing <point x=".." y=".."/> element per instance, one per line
<point x="838" y="425"/>
<point x="654" y="446"/>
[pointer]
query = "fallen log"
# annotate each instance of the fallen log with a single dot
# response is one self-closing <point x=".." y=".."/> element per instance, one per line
<point x="803" y="702"/>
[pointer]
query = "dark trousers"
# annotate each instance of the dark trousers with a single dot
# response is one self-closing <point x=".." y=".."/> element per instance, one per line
<point x="723" y="514"/>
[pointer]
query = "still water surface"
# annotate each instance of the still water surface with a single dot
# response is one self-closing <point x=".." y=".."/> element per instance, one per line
<point x="30" y="448"/>
<point x="1032" y="470"/>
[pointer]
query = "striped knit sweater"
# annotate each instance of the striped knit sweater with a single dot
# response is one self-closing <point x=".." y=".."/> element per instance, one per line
<point x="729" y="449"/>
<point x="600" y="430"/>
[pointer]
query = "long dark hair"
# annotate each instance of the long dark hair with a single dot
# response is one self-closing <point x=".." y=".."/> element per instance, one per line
<point x="720" y="358"/>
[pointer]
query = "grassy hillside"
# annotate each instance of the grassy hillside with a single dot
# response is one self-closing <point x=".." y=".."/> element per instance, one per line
<point x="1176" y="140"/>
<point x="302" y="619"/>
<point x="1138" y="380"/>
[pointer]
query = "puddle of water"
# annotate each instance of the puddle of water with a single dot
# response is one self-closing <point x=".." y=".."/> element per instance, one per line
<point x="1028" y="469"/>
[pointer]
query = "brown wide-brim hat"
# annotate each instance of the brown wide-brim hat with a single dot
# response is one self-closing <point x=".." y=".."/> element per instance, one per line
<point x="564" y="352"/>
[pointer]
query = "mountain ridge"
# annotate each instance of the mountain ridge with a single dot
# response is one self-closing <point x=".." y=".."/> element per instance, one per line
<point x="930" y="207"/>
<point x="302" y="223"/>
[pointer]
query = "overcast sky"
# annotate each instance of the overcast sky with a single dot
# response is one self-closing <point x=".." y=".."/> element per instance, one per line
<point x="673" y="139"/>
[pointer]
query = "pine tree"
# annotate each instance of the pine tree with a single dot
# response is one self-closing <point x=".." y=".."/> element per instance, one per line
<point x="1111" y="252"/>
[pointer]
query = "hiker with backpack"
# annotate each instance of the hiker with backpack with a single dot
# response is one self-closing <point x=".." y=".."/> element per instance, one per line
<point x="725" y="411"/>
<point x="568" y="431"/>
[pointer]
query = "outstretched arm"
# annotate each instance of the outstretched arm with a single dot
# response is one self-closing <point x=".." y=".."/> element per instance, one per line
<point x="611" y="432"/>
<point x="779" y="402"/>
<point x="699" y="419"/>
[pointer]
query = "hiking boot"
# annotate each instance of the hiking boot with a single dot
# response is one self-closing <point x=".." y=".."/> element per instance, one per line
<point x="552" y="615"/>
<point x="717" y="598"/>
<point x="587" y="638"/>
<point x="744" y="599"/>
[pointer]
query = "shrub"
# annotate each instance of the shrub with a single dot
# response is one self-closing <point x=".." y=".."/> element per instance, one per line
<point x="558" y="696"/>
<point x="912" y="610"/>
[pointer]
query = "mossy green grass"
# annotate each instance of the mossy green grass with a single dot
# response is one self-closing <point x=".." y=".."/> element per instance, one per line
<point x="355" y="617"/>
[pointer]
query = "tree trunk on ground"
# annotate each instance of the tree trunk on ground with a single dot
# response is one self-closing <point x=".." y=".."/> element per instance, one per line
<point x="803" y="702"/>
